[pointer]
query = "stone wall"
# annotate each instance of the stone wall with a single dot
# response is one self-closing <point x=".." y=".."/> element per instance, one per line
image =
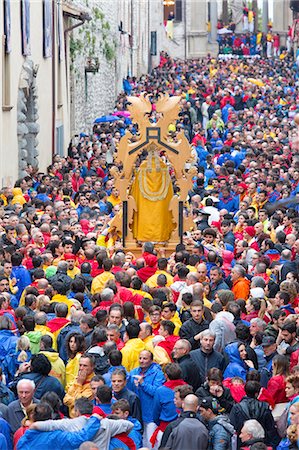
<point x="94" y="95"/>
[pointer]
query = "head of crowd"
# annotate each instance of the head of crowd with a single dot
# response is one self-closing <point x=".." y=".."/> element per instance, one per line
<point x="102" y="348"/>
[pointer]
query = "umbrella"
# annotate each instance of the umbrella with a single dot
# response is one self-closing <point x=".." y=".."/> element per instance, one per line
<point x="104" y="119"/>
<point x="224" y="31"/>
<point x="122" y="113"/>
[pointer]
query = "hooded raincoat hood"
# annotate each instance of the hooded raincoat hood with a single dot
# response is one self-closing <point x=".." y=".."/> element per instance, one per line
<point x="236" y="367"/>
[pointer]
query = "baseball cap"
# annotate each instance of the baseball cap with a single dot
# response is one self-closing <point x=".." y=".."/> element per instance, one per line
<point x="210" y="403"/>
<point x="268" y="340"/>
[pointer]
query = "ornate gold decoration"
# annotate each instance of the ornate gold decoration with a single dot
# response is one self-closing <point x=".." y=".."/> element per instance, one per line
<point x="154" y="138"/>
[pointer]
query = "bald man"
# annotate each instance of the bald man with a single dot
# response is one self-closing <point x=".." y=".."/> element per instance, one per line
<point x="187" y="431"/>
<point x="181" y="355"/>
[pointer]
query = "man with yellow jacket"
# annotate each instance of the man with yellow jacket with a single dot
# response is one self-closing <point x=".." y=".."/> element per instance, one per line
<point x="162" y="270"/>
<point x="99" y="282"/>
<point x="81" y="386"/>
<point x="169" y="312"/>
<point x="133" y="346"/>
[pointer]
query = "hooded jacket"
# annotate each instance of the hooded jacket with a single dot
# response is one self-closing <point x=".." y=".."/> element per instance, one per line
<point x="21" y="274"/>
<point x="34" y="338"/>
<point x="220" y="433"/>
<point x="241" y="288"/>
<point x="18" y="196"/>
<point x="58" y="367"/>
<point x="236" y="366"/>
<point x="153" y="378"/>
<point x="8" y="342"/>
<point x="131" y="352"/>
<point x="224" y="329"/>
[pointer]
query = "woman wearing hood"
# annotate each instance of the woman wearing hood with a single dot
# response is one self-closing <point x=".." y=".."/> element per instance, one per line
<point x="238" y="365"/>
<point x="224" y="329"/>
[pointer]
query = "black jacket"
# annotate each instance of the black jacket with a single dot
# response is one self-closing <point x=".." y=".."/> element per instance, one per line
<point x="251" y="408"/>
<point x="135" y="407"/>
<point x="189" y="373"/>
<point x="205" y="361"/>
<point x="63" y="277"/>
<point x="226" y="401"/>
<point x="190" y="328"/>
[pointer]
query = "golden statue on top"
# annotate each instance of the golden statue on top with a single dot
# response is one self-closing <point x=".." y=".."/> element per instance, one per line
<point x="151" y="211"/>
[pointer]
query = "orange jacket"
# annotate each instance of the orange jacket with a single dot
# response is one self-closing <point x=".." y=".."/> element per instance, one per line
<point x="241" y="288"/>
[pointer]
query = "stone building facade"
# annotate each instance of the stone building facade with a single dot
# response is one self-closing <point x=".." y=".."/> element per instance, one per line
<point x="129" y="33"/>
<point x="34" y="74"/>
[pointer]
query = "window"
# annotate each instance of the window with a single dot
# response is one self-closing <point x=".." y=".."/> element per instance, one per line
<point x="173" y="8"/>
<point x="178" y="14"/>
<point x="6" y="91"/>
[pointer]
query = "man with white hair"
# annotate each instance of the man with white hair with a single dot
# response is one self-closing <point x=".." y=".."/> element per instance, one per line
<point x="17" y="409"/>
<point x="251" y="433"/>
<point x="206" y="357"/>
<point x="257" y="325"/>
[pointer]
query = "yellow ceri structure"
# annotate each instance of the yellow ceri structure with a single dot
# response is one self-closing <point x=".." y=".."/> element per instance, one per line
<point x="149" y="166"/>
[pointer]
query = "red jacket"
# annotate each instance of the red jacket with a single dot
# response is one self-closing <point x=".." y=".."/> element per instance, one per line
<point x="276" y="390"/>
<point x="76" y="182"/>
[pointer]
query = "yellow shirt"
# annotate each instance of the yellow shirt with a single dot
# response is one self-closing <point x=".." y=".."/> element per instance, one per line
<point x="131" y="352"/>
<point x="152" y="281"/>
<point x="71" y="370"/>
<point x="58" y="298"/>
<point x="76" y="391"/>
<point x="177" y="321"/>
<point x="149" y="343"/>
<point x="142" y="293"/>
<point x="113" y="200"/>
<point x="98" y="283"/>
<point x="191" y="268"/>
<point x="57" y="366"/>
<point x="73" y="272"/>
<point x="43" y="329"/>
<point x="161" y="356"/>
<point x="207" y="303"/>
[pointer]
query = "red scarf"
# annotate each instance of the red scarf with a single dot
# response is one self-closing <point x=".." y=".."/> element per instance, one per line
<point x="123" y="437"/>
<point x="57" y="323"/>
<point x="168" y="344"/>
<point x="162" y="428"/>
<point x="171" y="384"/>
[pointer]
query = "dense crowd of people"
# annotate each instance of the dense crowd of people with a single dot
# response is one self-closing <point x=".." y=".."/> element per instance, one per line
<point x="101" y="348"/>
<point x="265" y="45"/>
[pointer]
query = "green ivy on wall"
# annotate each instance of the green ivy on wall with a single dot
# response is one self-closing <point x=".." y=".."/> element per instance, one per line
<point x="97" y="29"/>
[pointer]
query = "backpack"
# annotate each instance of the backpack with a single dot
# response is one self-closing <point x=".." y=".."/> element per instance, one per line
<point x="6" y="395"/>
<point x="101" y="360"/>
<point x="233" y="437"/>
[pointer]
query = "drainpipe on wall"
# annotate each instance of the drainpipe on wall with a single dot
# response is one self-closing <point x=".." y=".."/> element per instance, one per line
<point x="53" y="81"/>
<point x="132" y="37"/>
<point x="83" y="17"/>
